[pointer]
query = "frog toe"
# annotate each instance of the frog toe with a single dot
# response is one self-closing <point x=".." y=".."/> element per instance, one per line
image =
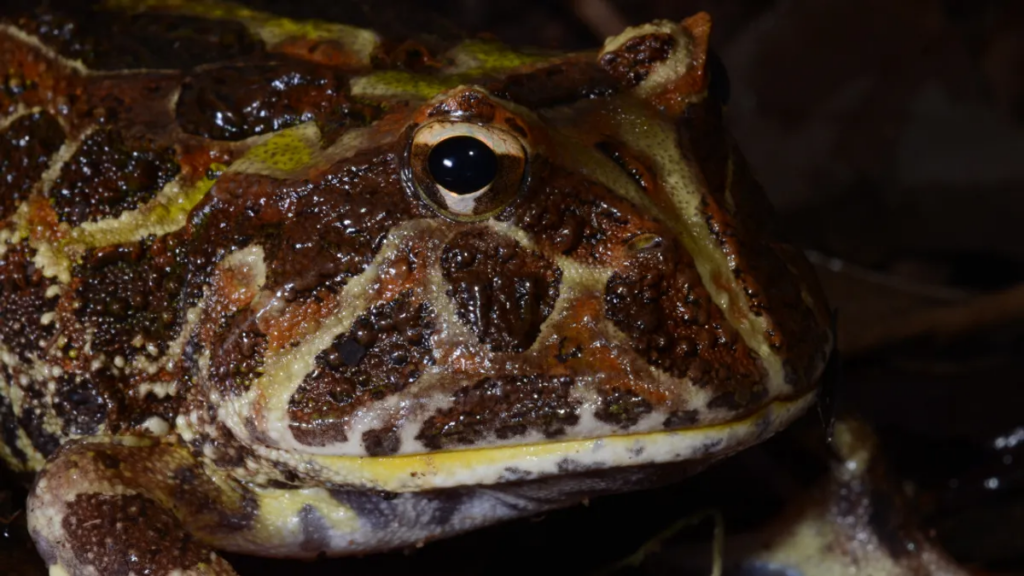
<point x="112" y="509"/>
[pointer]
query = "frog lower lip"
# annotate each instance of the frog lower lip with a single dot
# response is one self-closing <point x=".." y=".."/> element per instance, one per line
<point x="415" y="472"/>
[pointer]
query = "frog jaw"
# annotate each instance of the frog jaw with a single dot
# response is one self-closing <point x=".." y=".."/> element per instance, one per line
<point x="487" y="466"/>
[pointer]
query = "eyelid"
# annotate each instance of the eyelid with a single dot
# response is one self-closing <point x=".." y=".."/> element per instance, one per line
<point x="501" y="141"/>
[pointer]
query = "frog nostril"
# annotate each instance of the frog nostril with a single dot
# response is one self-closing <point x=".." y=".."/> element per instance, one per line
<point x="645" y="242"/>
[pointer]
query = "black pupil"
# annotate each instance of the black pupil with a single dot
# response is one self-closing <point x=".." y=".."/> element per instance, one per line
<point x="462" y="164"/>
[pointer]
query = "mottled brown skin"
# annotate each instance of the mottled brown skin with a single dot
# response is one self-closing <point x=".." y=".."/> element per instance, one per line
<point x="231" y="319"/>
<point x="24" y="154"/>
<point x="506" y="407"/>
<point x="386" y="351"/>
<point x="503" y="292"/>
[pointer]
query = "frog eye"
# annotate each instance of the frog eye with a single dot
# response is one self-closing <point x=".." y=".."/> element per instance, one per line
<point x="465" y="171"/>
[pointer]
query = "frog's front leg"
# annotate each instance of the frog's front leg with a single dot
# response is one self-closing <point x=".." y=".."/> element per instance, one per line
<point x="119" y="506"/>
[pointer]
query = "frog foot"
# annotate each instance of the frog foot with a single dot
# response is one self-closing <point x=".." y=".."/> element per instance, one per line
<point x="115" y="506"/>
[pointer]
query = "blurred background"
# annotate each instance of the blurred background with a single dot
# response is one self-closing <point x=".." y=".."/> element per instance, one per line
<point x="890" y="136"/>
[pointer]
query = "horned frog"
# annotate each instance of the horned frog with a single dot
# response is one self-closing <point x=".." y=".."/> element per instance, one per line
<point x="291" y="288"/>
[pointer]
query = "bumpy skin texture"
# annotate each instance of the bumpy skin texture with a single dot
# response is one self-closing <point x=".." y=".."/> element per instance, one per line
<point x="229" y="320"/>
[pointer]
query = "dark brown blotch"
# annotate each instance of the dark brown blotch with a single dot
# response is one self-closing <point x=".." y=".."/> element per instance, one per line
<point x="382" y="442"/>
<point x="567" y="213"/>
<point x="387" y="349"/>
<point x="659" y="301"/>
<point x="23" y="303"/>
<point x="236" y="102"/>
<point x="622" y="408"/>
<point x="32" y="420"/>
<point x="630" y="162"/>
<point x="632" y="62"/>
<point x="26" y="147"/>
<point x="502" y="290"/>
<point x="132" y="291"/>
<point x="148" y="537"/>
<point x="9" y="426"/>
<point x="109" y="174"/>
<point x="469" y="105"/>
<point x="316" y="532"/>
<point x="681" y="419"/>
<point x="340" y="225"/>
<point x="315" y="235"/>
<point x="505" y="407"/>
<point x="237" y="352"/>
<point x="82" y="403"/>
<point x="115" y="40"/>
<point x="556" y="85"/>
<point x="738" y="400"/>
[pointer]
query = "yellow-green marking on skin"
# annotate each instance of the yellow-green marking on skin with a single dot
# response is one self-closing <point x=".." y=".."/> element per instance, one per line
<point x="282" y="152"/>
<point x="285" y="152"/>
<point x="164" y="214"/>
<point x="397" y="84"/>
<point x="470" y="60"/>
<point x="481" y="56"/>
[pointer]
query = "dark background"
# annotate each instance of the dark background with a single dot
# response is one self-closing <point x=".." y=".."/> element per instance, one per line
<point x="890" y="136"/>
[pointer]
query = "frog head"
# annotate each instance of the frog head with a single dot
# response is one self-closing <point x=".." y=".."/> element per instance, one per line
<point x="521" y="262"/>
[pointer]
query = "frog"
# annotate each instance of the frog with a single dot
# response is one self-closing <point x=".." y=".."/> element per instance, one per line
<point x="296" y="288"/>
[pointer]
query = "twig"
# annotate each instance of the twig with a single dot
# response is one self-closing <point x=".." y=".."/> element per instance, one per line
<point x="600" y="16"/>
<point x="972" y="315"/>
<point x="655" y="544"/>
<point x="848" y="269"/>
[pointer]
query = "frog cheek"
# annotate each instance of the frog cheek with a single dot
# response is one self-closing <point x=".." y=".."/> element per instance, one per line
<point x="466" y="172"/>
<point x="663" y="62"/>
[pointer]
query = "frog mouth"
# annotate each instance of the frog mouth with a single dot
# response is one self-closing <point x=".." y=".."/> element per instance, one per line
<point x="494" y="465"/>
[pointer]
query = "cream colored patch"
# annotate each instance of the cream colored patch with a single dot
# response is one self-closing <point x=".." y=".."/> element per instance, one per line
<point x="664" y="73"/>
<point x="248" y="270"/>
<point x="156" y="426"/>
<point x="353" y="141"/>
<point x="53" y="263"/>
<point x="522" y="237"/>
<point x="16" y="226"/>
